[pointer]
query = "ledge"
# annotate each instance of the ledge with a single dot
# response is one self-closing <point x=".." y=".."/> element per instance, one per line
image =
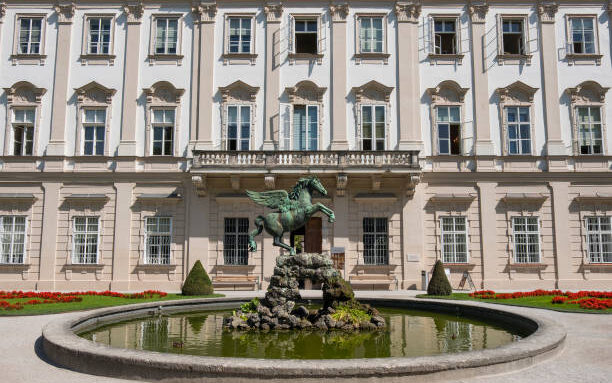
<point x="594" y="198"/>
<point x="165" y="59"/>
<point x="504" y="59"/>
<point x="17" y="197"/>
<point x="159" y="198"/>
<point x="239" y="58"/>
<point x="14" y="266"/>
<point x="92" y="59"/>
<point x="453" y="197"/>
<point x="524" y="197"/>
<point x="445" y="59"/>
<point x="35" y="59"/>
<point x="305" y="58"/>
<point x="147" y="266"/>
<point x="379" y="57"/>
<point x="84" y="266"/>
<point x="459" y="266"/>
<point x="231" y="197"/>
<point x="100" y="198"/>
<point x="597" y="266"/>
<point x="521" y="266"/>
<point x="583" y="58"/>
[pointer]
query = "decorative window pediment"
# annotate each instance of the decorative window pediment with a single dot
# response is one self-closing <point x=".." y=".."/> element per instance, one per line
<point x="238" y="106"/>
<point x="94" y="93"/>
<point x="446" y="110"/>
<point x="24" y="102"/>
<point x="24" y="92"/>
<point x="305" y="92"/>
<point x="163" y="92"/>
<point x="239" y="91"/>
<point x="517" y="117"/>
<point x="163" y="118"/>
<point x="447" y="92"/>
<point x="588" y="118"/>
<point x="517" y="92"/>
<point x="588" y="92"/>
<point x="372" y="91"/>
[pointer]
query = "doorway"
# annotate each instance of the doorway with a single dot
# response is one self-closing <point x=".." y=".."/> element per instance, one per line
<point x="308" y="239"/>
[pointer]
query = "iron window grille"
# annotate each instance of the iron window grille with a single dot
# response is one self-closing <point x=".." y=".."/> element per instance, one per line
<point x="86" y="237"/>
<point x="235" y="241"/>
<point x="589" y="129"/>
<point x="375" y="241"/>
<point x="30" y="35"/>
<point x="526" y="236"/>
<point x="518" y="123"/>
<point x="158" y="237"/>
<point x="454" y="239"/>
<point x="238" y="127"/>
<point x="373" y="122"/>
<point x="23" y="131"/>
<point x="163" y="132"/>
<point x="599" y="239"/>
<point x="94" y="129"/>
<point x="99" y="35"/>
<point x="12" y="239"/>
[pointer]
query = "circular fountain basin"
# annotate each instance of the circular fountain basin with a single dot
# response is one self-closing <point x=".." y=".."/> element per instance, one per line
<point x="185" y="341"/>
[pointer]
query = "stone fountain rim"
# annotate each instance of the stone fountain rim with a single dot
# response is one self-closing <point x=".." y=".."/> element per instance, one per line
<point x="63" y="346"/>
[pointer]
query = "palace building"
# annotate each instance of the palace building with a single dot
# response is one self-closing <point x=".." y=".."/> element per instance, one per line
<point x="470" y="132"/>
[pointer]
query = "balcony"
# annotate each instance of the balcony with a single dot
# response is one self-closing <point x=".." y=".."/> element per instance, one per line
<point x="301" y="161"/>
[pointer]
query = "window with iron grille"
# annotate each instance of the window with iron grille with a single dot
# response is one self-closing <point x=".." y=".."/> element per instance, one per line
<point x="373" y="120"/>
<point x="85" y="243"/>
<point x="582" y="38"/>
<point x="371" y="34"/>
<point x="99" y="35"/>
<point x="163" y="132"/>
<point x="12" y="238"/>
<point x="235" y="241"/>
<point x="519" y="129"/>
<point x="239" y="35"/>
<point x="375" y="241"/>
<point x="30" y="34"/>
<point x="158" y="237"/>
<point x="94" y="128"/>
<point x="166" y="35"/>
<point x="454" y="240"/>
<point x="526" y="234"/>
<point x="589" y="129"/>
<point x="599" y="239"/>
<point x="23" y="131"/>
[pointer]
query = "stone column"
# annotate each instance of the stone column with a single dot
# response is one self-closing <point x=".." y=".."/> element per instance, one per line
<point x="122" y="236"/>
<point x="48" y="241"/>
<point x="550" y="79"/>
<point x="413" y="236"/>
<point x="56" y="146"/>
<point x="488" y="234"/>
<point x="274" y="12"/>
<point x="563" y="251"/>
<point x="195" y="70"/>
<point x="127" y="145"/>
<point x="480" y="87"/>
<point x="205" y="13"/>
<point x="339" y="12"/>
<point x="197" y="206"/>
<point x="409" y="88"/>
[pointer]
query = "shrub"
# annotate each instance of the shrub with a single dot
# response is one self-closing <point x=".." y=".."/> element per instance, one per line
<point x="197" y="282"/>
<point x="439" y="284"/>
<point x="250" y="306"/>
<point x="351" y="312"/>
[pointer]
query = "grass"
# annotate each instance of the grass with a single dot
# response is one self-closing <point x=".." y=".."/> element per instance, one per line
<point x="89" y="302"/>
<point x="542" y="302"/>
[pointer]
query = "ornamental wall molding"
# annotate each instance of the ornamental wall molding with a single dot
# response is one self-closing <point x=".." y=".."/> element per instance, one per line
<point x="305" y="92"/>
<point x="239" y="91"/>
<point x="2" y="10"/>
<point x="447" y="92"/>
<point x="372" y="91"/>
<point x="134" y="12"/>
<point x="587" y="92"/>
<point x="274" y="12"/>
<point x="517" y="92"/>
<point x="408" y="11"/>
<point x="94" y="93"/>
<point x="204" y="12"/>
<point x="339" y="12"/>
<point x="65" y="12"/>
<point x="478" y="11"/>
<point x="547" y="11"/>
<point x="163" y="92"/>
<point x="24" y="92"/>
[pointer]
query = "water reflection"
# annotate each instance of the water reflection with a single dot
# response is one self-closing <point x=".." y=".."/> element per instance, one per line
<point x="409" y="333"/>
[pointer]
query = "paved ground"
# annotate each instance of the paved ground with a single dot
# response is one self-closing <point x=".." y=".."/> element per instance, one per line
<point x="586" y="357"/>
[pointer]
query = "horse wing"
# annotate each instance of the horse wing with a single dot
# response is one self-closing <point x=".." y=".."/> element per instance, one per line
<point x="272" y="199"/>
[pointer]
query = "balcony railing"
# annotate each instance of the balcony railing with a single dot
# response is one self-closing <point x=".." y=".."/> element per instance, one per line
<point x="400" y="160"/>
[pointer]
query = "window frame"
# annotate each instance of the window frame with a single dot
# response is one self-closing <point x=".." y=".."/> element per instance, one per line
<point x="454" y="233"/>
<point x="512" y="58"/>
<point x="73" y="256"/>
<point x="166" y="58"/>
<point x="373" y="57"/>
<point x="321" y="31"/>
<point x="437" y="124"/>
<point x="374" y="139"/>
<point x="29" y="58"/>
<point x="85" y="124"/>
<point x="97" y="58"/>
<point x="517" y="94"/>
<point x="27" y="125"/>
<point x="239" y="57"/>
<point x="236" y="234"/>
<point x="16" y="101"/>
<point x="163" y="124"/>
<point x="25" y="239"/>
<point x="598" y="232"/>
<point x="571" y="57"/>
<point x="518" y="124"/>
<point x="239" y="127"/>
<point x="162" y="95"/>
<point x="527" y="233"/>
<point x="147" y="233"/>
<point x="375" y="233"/>
<point x="578" y="124"/>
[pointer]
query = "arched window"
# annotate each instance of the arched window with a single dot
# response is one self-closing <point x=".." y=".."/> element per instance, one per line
<point x="516" y="116"/>
<point x="93" y="122"/>
<point x="23" y="119"/>
<point x="162" y="112"/>
<point x="302" y="117"/>
<point x="588" y="119"/>
<point x="238" y="107"/>
<point x="448" y="134"/>
<point x="372" y="115"/>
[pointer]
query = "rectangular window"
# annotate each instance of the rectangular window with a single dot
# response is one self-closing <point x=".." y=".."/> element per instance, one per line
<point x="454" y="239"/>
<point x="158" y="236"/>
<point x="306" y="36"/>
<point x="238" y="127"/>
<point x="239" y="35"/>
<point x="163" y="132"/>
<point x="166" y="35"/>
<point x="12" y="238"/>
<point x="373" y="127"/>
<point x="589" y="129"/>
<point x="23" y="131"/>
<point x="305" y="127"/>
<point x="445" y="36"/>
<point x="85" y="244"/>
<point x="235" y="241"/>
<point x="599" y="239"/>
<point x="513" y="37"/>
<point x="371" y="34"/>
<point x="526" y="234"/>
<point x="94" y="128"/>
<point x="99" y="35"/>
<point x="448" y="120"/>
<point x="582" y="38"/>
<point x="375" y="241"/>
<point x="30" y="35"/>
<point x="519" y="129"/>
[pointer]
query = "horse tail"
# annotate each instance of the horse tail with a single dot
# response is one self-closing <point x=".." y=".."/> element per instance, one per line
<point x="259" y="224"/>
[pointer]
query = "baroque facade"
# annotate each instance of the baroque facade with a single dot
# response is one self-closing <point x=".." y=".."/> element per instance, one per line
<point x="471" y="132"/>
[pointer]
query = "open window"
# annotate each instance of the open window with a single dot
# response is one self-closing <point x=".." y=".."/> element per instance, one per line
<point x="446" y="111"/>
<point x="306" y="36"/>
<point x="445" y="36"/>
<point x="587" y="109"/>
<point x="513" y="46"/>
<point x="582" y="39"/>
<point x="24" y="102"/>
<point x="301" y="118"/>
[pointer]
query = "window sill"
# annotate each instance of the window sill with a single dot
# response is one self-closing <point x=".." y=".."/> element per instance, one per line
<point x="597" y="265"/>
<point x="152" y="266"/>
<point x="14" y="266"/>
<point x="102" y="59"/>
<point x="445" y="59"/>
<point x="526" y="266"/>
<point x="239" y="58"/>
<point x="84" y="266"/>
<point x="34" y="59"/>
<point x="305" y="58"/>
<point x="512" y="59"/>
<point x="459" y="266"/>
<point x="583" y="59"/>
<point x="382" y="58"/>
<point x="165" y="59"/>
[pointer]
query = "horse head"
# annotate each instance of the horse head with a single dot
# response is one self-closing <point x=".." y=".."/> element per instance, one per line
<point x="313" y="183"/>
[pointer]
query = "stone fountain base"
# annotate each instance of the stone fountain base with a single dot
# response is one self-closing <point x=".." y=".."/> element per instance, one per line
<point x="278" y="309"/>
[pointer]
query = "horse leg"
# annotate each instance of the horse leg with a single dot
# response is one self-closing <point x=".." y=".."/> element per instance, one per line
<point x="259" y="224"/>
<point x="278" y="241"/>
<point x="327" y="211"/>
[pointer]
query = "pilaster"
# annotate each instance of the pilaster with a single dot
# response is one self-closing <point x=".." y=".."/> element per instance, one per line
<point x="65" y="13"/>
<point x="408" y="84"/>
<point x="339" y="13"/>
<point x="134" y="13"/>
<point x="205" y="14"/>
<point x="197" y="206"/>
<point x="480" y="87"/>
<point x="488" y="235"/>
<point x="274" y="12"/>
<point x="413" y="237"/>
<point x="550" y="78"/>
<point x="122" y="236"/>
<point x="563" y="259"/>
<point x="341" y="226"/>
<point x="48" y="245"/>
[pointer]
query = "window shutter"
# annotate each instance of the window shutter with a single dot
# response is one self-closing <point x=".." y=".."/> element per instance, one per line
<point x="430" y="39"/>
<point x="291" y="34"/>
<point x="284" y="139"/>
<point x="321" y="34"/>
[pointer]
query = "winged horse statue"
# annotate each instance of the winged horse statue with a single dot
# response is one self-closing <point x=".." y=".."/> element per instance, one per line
<point x="293" y="210"/>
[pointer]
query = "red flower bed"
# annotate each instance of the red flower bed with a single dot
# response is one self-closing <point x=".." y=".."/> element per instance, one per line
<point x="593" y="300"/>
<point x="56" y="297"/>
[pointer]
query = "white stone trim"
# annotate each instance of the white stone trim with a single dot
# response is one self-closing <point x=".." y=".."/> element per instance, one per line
<point x="447" y="93"/>
<point x="372" y="93"/>
<point x="371" y="57"/>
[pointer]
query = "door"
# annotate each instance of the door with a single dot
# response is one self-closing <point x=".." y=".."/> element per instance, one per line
<point x="314" y="236"/>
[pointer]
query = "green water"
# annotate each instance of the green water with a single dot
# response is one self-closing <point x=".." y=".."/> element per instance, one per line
<point x="409" y="333"/>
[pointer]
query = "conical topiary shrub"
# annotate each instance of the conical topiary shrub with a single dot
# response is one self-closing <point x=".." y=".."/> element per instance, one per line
<point x="439" y="284"/>
<point x="197" y="282"/>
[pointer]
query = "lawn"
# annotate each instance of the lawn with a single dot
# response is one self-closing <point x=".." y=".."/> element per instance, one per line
<point x="88" y="302"/>
<point x="542" y="302"/>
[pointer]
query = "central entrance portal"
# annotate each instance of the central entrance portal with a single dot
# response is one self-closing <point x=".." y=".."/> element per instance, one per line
<point x="308" y="239"/>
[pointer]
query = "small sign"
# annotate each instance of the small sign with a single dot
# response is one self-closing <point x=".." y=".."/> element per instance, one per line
<point x="337" y="250"/>
<point x="412" y="258"/>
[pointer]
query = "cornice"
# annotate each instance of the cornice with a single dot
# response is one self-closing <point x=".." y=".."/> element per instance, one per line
<point x="274" y="12"/>
<point x="547" y="11"/>
<point x="134" y="12"/>
<point x="408" y="11"/>
<point x="478" y="11"/>
<point x="65" y="12"/>
<point x="339" y="12"/>
<point x="204" y="12"/>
